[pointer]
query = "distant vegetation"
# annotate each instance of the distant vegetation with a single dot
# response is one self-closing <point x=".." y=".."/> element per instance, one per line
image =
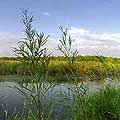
<point x="92" y="66"/>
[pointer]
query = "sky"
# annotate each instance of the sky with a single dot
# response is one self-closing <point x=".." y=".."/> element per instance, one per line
<point x="93" y="24"/>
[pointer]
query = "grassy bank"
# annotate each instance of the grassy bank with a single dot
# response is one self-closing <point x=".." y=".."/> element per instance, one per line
<point x="61" y="68"/>
<point x="103" y="105"/>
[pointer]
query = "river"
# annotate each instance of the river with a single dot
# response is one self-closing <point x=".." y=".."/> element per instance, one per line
<point x="12" y="100"/>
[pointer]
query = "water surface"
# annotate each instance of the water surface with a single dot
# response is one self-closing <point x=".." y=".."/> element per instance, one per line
<point x="11" y="99"/>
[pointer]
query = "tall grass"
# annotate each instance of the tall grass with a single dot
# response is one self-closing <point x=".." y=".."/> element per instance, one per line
<point x="103" y="105"/>
<point x="35" y="58"/>
<point x="91" y="69"/>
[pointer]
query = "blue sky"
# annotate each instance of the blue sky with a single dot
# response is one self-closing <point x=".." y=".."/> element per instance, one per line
<point x="94" y="24"/>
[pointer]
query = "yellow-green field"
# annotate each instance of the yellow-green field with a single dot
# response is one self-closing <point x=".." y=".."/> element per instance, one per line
<point x="61" y="67"/>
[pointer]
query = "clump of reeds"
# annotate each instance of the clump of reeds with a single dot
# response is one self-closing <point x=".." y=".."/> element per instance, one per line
<point x="103" y="105"/>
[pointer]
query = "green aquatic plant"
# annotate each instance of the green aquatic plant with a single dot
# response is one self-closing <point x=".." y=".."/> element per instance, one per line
<point x="34" y="55"/>
<point x="103" y="105"/>
<point x="65" y="46"/>
<point x="32" y="49"/>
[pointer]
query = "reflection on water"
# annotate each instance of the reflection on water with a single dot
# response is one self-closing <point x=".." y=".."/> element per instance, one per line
<point x="11" y="100"/>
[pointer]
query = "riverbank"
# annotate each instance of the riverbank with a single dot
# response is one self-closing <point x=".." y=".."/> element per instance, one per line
<point x="92" y="69"/>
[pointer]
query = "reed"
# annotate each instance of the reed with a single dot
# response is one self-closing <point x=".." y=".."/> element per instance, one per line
<point x="92" y="69"/>
<point x="103" y="105"/>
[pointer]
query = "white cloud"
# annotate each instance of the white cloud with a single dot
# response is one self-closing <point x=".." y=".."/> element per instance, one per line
<point x="91" y="43"/>
<point x="7" y="41"/>
<point x="75" y="30"/>
<point x="46" y="13"/>
<point x="87" y="42"/>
